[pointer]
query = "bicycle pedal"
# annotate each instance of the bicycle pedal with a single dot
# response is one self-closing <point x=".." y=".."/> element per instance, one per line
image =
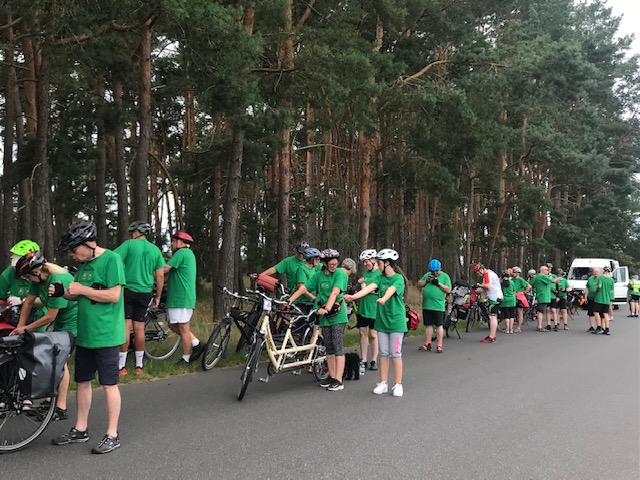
<point x="297" y="372"/>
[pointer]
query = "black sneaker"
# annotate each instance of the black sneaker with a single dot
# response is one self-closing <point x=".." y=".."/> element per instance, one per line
<point x="74" y="436"/>
<point x="107" y="445"/>
<point x="548" y="327"/>
<point x="58" y="414"/>
<point x="591" y="330"/>
<point x="326" y="383"/>
<point x="555" y="328"/>
<point x="373" y="366"/>
<point x="335" y="386"/>
<point x="606" y="332"/>
<point x="182" y="362"/>
<point x="196" y="352"/>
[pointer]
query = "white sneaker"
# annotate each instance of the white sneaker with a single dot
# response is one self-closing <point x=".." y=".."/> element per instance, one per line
<point x="397" y="390"/>
<point x="381" y="388"/>
<point x="362" y="368"/>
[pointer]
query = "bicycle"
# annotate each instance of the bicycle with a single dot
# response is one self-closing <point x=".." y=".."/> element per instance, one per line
<point x="160" y="342"/>
<point x="23" y="418"/>
<point x="283" y="352"/>
<point x="478" y="314"/>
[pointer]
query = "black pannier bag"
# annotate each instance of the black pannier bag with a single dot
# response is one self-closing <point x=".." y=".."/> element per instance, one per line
<point x="41" y="362"/>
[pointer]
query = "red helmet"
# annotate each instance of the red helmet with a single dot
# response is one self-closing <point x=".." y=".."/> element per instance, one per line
<point x="477" y="267"/>
<point x="184" y="236"/>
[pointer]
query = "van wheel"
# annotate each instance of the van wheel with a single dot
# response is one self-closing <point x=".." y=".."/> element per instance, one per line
<point x="616" y="307"/>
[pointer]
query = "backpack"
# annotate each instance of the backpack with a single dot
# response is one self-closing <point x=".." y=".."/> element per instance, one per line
<point x="413" y="318"/>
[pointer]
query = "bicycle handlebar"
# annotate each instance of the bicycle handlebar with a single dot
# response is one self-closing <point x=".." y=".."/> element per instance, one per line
<point x="237" y="295"/>
<point x="13" y="341"/>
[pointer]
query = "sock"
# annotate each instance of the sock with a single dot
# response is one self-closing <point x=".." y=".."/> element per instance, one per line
<point x="139" y="356"/>
<point x="186" y="357"/>
<point x="195" y="342"/>
<point x="122" y="360"/>
<point x="439" y="344"/>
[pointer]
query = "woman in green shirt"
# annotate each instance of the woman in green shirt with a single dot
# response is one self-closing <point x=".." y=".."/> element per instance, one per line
<point x="391" y="319"/>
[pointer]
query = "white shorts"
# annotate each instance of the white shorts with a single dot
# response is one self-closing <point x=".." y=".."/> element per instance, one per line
<point x="179" y="315"/>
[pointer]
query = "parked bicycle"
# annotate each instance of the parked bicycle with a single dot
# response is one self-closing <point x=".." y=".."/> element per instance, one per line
<point x="478" y="315"/>
<point x="160" y="342"/>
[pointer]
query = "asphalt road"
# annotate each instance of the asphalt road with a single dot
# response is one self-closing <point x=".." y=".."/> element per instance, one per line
<point x="547" y="405"/>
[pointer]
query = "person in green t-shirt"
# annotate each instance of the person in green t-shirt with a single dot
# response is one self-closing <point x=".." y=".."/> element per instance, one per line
<point x="98" y="290"/>
<point x="553" y="304"/>
<point x="634" y="296"/>
<point x="541" y="284"/>
<point x="563" y="289"/>
<point x="368" y="310"/>
<point x="181" y="294"/>
<point x="522" y="287"/>
<point x="288" y="267"/>
<point x="590" y="294"/>
<point x="508" y="304"/>
<point x="143" y="264"/>
<point x="602" y="301"/>
<point x="391" y="318"/>
<point x="61" y="312"/>
<point x="436" y="285"/>
<point x="330" y="285"/>
<point x="305" y="272"/>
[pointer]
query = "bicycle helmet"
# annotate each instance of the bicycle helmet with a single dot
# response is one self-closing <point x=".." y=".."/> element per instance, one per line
<point x="24" y="246"/>
<point x="329" y="254"/>
<point x="184" y="236"/>
<point x="349" y="264"/>
<point x="302" y="246"/>
<point x="516" y="270"/>
<point x="369" y="254"/>
<point x="310" y="253"/>
<point x="607" y="269"/>
<point x="549" y="266"/>
<point x="388" y="254"/>
<point x="477" y="267"/>
<point x="505" y="275"/>
<point x="635" y="277"/>
<point x="434" y="265"/>
<point x="143" y="227"/>
<point x="531" y="272"/>
<point x="28" y="263"/>
<point x="77" y="235"/>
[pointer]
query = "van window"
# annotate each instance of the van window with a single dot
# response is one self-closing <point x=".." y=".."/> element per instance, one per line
<point x="580" y="273"/>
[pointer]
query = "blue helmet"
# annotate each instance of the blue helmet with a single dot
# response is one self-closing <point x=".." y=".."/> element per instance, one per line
<point x="310" y="253"/>
<point x="434" y="265"/>
<point x="635" y="277"/>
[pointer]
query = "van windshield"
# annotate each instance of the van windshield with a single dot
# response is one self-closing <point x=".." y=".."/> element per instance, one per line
<point x="580" y="273"/>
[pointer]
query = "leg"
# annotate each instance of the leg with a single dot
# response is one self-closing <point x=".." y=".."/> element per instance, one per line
<point x="83" y="399"/>
<point x="396" y="355"/>
<point x="364" y="342"/>
<point x="63" y="389"/>
<point x="331" y="365"/>
<point x="186" y="336"/>
<point x="337" y="333"/>
<point x="440" y="335"/>
<point x="428" y="333"/>
<point x="539" y="315"/>
<point x="374" y="344"/>
<point x="138" y="342"/>
<point x="112" y="396"/>
<point x="383" y="344"/>
<point x="493" y="326"/>
<point x="339" y="366"/>
<point x="520" y="317"/>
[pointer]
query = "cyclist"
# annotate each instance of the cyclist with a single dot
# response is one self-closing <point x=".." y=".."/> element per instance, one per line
<point x="436" y="285"/>
<point x="143" y="263"/>
<point x="542" y="284"/>
<point x="181" y="294"/>
<point x="289" y="266"/>
<point x="330" y="284"/>
<point x="368" y="310"/>
<point x="508" y="304"/>
<point x="553" y="304"/>
<point x="490" y="283"/>
<point x="590" y="294"/>
<point x="305" y="272"/>
<point x="61" y="312"/>
<point x="602" y="301"/>
<point x="634" y="295"/>
<point x="391" y="319"/>
<point x="563" y="288"/>
<point x="522" y="287"/>
<point x="98" y="291"/>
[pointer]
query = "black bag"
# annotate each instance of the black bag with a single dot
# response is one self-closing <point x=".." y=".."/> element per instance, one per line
<point x="41" y="362"/>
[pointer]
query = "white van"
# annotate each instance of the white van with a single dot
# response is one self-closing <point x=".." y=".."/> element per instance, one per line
<point x="581" y="270"/>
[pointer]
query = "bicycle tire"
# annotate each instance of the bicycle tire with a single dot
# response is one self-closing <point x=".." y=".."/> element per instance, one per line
<point x="471" y="318"/>
<point x="250" y="366"/>
<point x="320" y="369"/>
<point x="18" y="427"/>
<point x="160" y="341"/>
<point x="216" y="345"/>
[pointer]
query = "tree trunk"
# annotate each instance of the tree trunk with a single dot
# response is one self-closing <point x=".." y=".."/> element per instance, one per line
<point x="120" y="167"/>
<point x="11" y="97"/>
<point x="364" y="194"/>
<point x="101" y="172"/>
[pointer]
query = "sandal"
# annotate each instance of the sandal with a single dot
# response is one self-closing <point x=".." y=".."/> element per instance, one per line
<point x="425" y="348"/>
<point x="438" y="349"/>
<point x="517" y="330"/>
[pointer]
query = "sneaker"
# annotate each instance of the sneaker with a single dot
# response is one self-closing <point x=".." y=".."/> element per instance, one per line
<point x="381" y="388"/>
<point x="555" y="328"/>
<point x="373" y="366"/>
<point x="326" y="383"/>
<point x="59" y="414"/>
<point x="606" y="332"/>
<point x="107" y="444"/>
<point x="566" y="327"/>
<point x="335" y="386"/>
<point x="363" y="367"/>
<point x="488" y="340"/>
<point x="123" y="372"/>
<point x="549" y="328"/>
<point x="540" y="330"/>
<point x="73" y="436"/>
<point x="138" y="370"/>
<point x="397" y="390"/>
<point x="597" y="331"/>
<point x="591" y="330"/>
<point x="182" y="362"/>
<point x="196" y="352"/>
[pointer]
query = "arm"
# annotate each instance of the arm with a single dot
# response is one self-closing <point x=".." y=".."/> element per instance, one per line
<point x="108" y="295"/>
<point x="302" y="290"/>
<point x="372" y="287"/>
<point x="27" y="305"/>
<point x="159" y="278"/>
<point x="335" y="291"/>
<point x="46" y="319"/>
<point x="270" y="271"/>
<point x="388" y="294"/>
<point x="421" y="283"/>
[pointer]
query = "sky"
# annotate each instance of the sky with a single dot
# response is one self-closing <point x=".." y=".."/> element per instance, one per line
<point x="630" y="12"/>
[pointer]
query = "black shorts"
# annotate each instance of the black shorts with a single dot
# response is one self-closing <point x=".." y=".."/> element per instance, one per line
<point x="553" y="303"/>
<point x="542" y="307"/>
<point x="590" y="304"/>
<point x="431" y="317"/>
<point x="364" y="322"/>
<point x="600" y="307"/>
<point x="102" y="360"/>
<point x="493" y="309"/>
<point x="634" y="299"/>
<point x="136" y="304"/>
<point x="561" y="303"/>
<point x="507" y="312"/>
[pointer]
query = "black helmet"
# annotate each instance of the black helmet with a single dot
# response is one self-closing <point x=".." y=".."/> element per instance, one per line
<point x="28" y="263"/>
<point x="143" y="227"/>
<point x="77" y="235"/>
<point x="302" y="246"/>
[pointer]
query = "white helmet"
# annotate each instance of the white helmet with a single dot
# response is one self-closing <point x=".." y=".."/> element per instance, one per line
<point x="387" y="254"/>
<point x="368" y="254"/>
<point x="516" y="270"/>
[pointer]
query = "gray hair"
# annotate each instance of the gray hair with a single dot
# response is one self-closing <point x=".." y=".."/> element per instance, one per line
<point x="349" y="264"/>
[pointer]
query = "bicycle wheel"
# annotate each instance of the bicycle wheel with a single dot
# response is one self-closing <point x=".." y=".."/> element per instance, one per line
<point x="250" y="366"/>
<point x="160" y="341"/>
<point x="216" y="345"/>
<point x="19" y="426"/>
<point x="320" y="369"/>
<point x="471" y="318"/>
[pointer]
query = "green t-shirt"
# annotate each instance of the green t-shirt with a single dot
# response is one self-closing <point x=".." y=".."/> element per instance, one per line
<point x="561" y="285"/>
<point x="323" y="283"/>
<point x="289" y="267"/>
<point x="304" y="273"/>
<point x="181" y="288"/>
<point x="592" y="285"/>
<point x="367" y="305"/>
<point x="101" y="324"/>
<point x="10" y="286"/>
<point x="634" y="287"/>
<point x="433" y="298"/>
<point x="542" y="287"/>
<point x="392" y="316"/>
<point x="605" y="294"/>
<point x="553" y="291"/>
<point x="141" y="259"/>
<point x="67" y="318"/>
<point x="508" y="294"/>
<point x="519" y="283"/>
